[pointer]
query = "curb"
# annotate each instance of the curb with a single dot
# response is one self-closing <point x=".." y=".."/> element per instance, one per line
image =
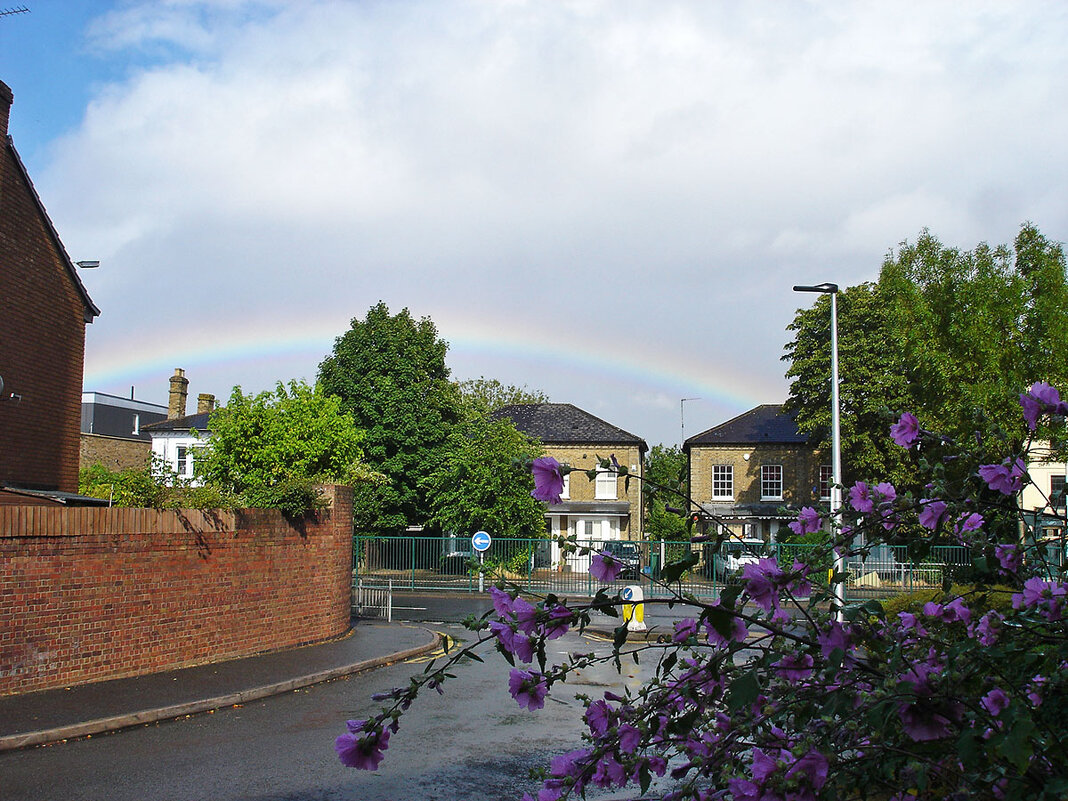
<point x="115" y="723"/>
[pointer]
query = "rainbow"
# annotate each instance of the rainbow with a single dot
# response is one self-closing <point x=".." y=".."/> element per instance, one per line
<point x="618" y="358"/>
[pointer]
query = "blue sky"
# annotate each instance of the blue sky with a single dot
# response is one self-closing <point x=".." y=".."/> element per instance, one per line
<point x="608" y="201"/>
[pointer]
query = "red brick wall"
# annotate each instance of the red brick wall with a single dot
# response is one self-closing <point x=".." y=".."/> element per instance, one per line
<point x="92" y="594"/>
<point x="42" y="342"/>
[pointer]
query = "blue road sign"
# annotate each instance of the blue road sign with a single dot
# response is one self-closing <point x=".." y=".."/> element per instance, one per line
<point x="481" y="541"/>
<point x="627" y="594"/>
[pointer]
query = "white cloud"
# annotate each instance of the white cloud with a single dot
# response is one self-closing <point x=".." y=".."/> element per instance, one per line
<point x="668" y="167"/>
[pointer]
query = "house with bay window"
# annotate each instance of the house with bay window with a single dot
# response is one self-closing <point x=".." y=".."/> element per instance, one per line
<point x="754" y="473"/>
<point x="604" y="509"/>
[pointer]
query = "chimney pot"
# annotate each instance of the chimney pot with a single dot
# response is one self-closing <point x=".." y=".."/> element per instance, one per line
<point x="205" y="403"/>
<point x="178" y="395"/>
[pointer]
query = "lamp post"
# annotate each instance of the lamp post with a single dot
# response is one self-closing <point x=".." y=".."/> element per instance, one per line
<point x="836" y="432"/>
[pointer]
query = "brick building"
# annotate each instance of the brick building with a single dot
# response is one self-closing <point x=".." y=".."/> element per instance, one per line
<point x="113" y="432"/>
<point x="604" y="509"/>
<point x="42" y="339"/>
<point x="755" y="472"/>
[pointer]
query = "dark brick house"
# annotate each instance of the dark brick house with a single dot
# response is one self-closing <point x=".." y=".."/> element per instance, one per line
<point x="42" y="337"/>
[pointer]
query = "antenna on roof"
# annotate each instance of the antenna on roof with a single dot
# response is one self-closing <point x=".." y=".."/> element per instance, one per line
<point x="7" y="12"/>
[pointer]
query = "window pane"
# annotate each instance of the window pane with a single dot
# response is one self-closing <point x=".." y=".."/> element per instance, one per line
<point x="1056" y="492"/>
<point x="606" y="486"/>
<point x="722" y="481"/>
<point x="826" y="479"/>
<point x="771" y="481"/>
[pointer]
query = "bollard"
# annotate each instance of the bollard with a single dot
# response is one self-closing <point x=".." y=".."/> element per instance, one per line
<point x="633" y="608"/>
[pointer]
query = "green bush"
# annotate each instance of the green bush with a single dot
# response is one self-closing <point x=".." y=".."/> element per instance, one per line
<point x="979" y="600"/>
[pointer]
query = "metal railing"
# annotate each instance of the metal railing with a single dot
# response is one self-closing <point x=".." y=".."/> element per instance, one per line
<point x="372" y="600"/>
<point x="538" y="566"/>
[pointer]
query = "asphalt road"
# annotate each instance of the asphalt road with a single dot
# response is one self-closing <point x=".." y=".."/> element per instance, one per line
<point x="474" y="742"/>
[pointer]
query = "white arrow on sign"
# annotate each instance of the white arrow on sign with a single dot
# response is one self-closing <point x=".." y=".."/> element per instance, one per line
<point x="481" y="541"/>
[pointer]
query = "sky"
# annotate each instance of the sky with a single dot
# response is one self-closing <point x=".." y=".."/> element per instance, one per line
<point x="608" y="201"/>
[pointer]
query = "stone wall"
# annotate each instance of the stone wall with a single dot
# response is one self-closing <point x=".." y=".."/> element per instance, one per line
<point x="91" y="594"/>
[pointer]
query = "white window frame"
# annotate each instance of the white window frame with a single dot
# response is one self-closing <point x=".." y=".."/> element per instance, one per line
<point x="183" y="460"/>
<point x="606" y="486"/>
<point x="768" y="481"/>
<point x="565" y="493"/>
<point x="725" y="481"/>
<point x="826" y="481"/>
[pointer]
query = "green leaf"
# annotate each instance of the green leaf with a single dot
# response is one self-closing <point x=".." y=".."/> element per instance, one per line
<point x="673" y="570"/>
<point x="743" y="691"/>
<point x="619" y="637"/>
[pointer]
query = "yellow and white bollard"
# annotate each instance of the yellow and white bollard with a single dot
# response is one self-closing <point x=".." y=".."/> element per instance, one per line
<point x="633" y="608"/>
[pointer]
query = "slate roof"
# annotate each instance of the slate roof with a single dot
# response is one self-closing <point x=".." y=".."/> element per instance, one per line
<point x="187" y="423"/>
<point x="765" y="424"/>
<point x="565" y="424"/>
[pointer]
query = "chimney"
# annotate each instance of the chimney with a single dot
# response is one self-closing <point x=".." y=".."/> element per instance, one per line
<point x="7" y="97"/>
<point x="205" y="403"/>
<point x="179" y="392"/>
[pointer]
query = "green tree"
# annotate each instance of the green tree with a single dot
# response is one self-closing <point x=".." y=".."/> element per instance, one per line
<point x="870" y="381"/>
<point x="483" y="482"/>
<point x="271" y="448"/>
<point x="948" y="334"/>
<point x="389" y="372"/>
<point x="484" y="395"/>
<point x="666" y="472"/>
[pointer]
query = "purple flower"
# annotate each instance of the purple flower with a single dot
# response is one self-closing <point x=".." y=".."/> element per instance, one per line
<point x="559" y="621"/>
<point x="813" y="766"/>
<point x="906" y="430"/>
<point x="886" y="492"/>
<point x="1009" y="557"/>
<point x="995" y="702"/>
<point x="760" y="583"/>
<point x="989" y="628"/>
<point x="528" y="688"/>
<point x="969" y="522"/>
<point x="629" y="738"/>
<point x="599" y="717"/>
<point x="604" y="567"/>
<point x="1006" y="478"/>
<point x="932" y="513"/>
<point x="548" y="480"/>
<point x="1041" y="398"/>
<point x="362" y="746"/>
<point x="807" y="522"/>
<point x="833" y="637"/>
<point x="502" y="601"/>
<point x="684" y="630"/>
<point x="739" y="632"/>
<point x="923" y="721"/>
<point x="860" y="498"/>
<point x="794" y="667"/>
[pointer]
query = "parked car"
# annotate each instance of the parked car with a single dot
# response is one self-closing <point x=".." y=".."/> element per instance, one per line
<point x="630" y="554"/>
<point x="727" y="563"/>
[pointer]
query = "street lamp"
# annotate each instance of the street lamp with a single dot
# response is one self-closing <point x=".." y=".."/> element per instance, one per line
<point x="836" y="432"/>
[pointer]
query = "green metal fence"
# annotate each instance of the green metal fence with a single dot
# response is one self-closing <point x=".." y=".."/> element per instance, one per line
<point x="450" y="565"/>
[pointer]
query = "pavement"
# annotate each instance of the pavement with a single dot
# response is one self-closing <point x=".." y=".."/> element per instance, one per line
<point x="53" y="715"/>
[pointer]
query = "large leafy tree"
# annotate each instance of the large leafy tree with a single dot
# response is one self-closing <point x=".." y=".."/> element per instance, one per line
<point x="666" y="473"/>
<point x="485" y="395"/>
<point x="483" y="482"/>
<point x="952" y="335"/>
<point x="389" y="372"/>
<point x="269" y="449"/>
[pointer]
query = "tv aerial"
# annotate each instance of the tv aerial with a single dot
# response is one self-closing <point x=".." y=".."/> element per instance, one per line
<point x="7" y="12"/>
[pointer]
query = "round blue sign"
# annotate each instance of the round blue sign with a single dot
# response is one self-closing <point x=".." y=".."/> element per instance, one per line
<point x="627" y="593"/>
<point x="481" y="541"/>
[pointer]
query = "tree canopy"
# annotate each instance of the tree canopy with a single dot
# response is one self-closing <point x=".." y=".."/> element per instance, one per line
<point x="949" y="334"/>
<point x="482" y="482"/>
<point x="484" y="395"/>
<point x="389" y="373"/>
<point x="666" y="469"/>
<point x="269" y="448"/>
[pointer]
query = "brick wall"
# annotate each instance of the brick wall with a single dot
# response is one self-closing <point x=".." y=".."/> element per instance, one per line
<point x="42" y="339"/>
<point x="115" y="453"/>
<point x="92" y="594"/>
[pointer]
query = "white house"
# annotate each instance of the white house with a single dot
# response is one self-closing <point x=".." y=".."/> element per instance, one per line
<point x="175" y="440"/>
